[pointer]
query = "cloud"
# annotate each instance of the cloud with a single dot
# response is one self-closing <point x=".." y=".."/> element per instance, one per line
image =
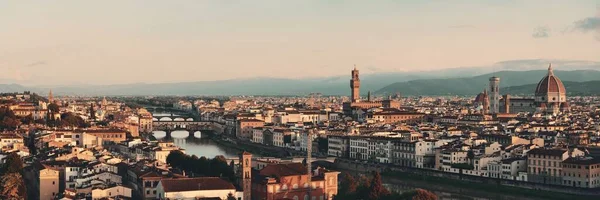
<point x="541" y="32"/>
<point x="540" y="64"/>
<point x="587" y="24"/>
<point x="38" y="63"/>
<point x="373" y="69"/>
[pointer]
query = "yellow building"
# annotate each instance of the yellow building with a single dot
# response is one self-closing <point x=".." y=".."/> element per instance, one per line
<point x="49" y="181"/>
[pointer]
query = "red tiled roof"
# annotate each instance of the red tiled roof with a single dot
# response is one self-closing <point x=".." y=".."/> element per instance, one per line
<point x="285" y="169"/>
<point x="550" y="84"/>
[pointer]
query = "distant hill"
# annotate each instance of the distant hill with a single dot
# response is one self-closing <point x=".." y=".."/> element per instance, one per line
<point x="476" y="84"/>
<point x="437" y="82"/>
<point x="573" y="88"/>
<point x="336" y="85"/>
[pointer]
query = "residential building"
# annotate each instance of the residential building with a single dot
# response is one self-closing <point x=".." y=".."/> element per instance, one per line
<point x="582" y="172"/>
<point x="196" y="188"/>
<point x="544" y="165"/>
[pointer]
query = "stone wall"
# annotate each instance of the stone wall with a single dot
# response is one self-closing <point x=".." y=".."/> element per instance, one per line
<point x="344" y="164"/>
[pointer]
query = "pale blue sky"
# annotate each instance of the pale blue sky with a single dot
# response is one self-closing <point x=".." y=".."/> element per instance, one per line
<point x="106" y="42"/>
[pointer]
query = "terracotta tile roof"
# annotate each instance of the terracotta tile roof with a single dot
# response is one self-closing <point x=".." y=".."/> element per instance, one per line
<point x="194" y="184"/>
<point x="284" y="169"/>
<point x="550" y="152"/>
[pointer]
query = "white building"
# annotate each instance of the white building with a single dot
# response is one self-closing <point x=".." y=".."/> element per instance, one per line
<point x="338" y="145"/>
<point x="511" y="168"/>
<point x="257" y="135"/>
<point x="359" y="148"/>
<point x="196" y="188"/>
<point x="111" y="192"/>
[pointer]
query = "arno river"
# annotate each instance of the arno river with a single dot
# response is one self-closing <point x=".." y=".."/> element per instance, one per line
<point x="195" y="144"/>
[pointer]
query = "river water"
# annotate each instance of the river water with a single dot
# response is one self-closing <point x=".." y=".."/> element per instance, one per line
<point x="195" y="144"/>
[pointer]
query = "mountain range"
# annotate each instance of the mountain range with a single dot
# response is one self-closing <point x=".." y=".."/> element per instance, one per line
<point x="443" y="82"/>
<point x="474" y="85"/>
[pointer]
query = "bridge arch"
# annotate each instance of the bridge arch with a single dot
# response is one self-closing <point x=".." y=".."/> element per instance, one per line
<point x="178" y="119"/>
<point x="166" y="119"/>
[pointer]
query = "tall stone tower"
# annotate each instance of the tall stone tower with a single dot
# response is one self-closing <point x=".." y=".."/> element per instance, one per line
<point x="246" y="170"/>
<point x="355" y="86"/>
<point x="50" y="97"/>
<point x="494" y="95"/>
<point x="485" y="103"/>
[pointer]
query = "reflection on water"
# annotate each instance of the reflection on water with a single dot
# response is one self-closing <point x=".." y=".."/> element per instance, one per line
<point x="194" y="144"/>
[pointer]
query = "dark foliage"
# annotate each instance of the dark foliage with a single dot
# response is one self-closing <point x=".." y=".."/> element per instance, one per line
<point x="373" y="189"/>
<point x="215" y="167"/>
<point x="8" y="120"/>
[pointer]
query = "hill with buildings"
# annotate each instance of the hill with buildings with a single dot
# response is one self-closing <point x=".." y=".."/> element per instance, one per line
<point x="474" y="85"/>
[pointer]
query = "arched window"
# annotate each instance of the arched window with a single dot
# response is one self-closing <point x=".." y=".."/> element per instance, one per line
<point x="295" y="186"/>
<point x="284" y="187"/>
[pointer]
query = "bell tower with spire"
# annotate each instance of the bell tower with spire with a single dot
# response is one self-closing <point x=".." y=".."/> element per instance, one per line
<point x="494" y="95"/>
<point x="246" y="176"/>
<point x="355" y="86"/>
<point x="50" y="97"/>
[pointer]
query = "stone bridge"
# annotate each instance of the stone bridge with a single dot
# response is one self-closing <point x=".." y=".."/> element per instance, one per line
<point x="190" y="126"/>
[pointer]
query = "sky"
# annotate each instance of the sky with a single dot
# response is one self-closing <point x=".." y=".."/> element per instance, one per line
<point x="118" y="42"/>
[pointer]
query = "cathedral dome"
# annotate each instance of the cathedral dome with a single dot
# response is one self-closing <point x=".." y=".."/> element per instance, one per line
<point x="481" y="97"/>
<point x="550" y="84"/>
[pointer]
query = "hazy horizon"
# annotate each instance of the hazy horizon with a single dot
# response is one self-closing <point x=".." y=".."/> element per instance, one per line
<point x="116" y="42"/>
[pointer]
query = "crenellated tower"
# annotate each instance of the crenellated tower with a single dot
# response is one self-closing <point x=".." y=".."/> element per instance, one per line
<point x="355" y="86"/>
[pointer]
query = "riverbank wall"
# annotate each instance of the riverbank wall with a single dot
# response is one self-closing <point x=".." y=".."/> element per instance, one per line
<point x="345" y="164"/>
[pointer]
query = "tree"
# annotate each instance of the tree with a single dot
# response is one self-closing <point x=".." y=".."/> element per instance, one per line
<point x="421" y="194"/>
<point x="323" y="144"/>
<point x="175" y="158"/>
<point x="13" y="186"/>
<point x="27" y="119"/>
<point x="39" y="121"/>
<point x="70" y="119"/>
<point x="470" y="156"/>
<point x="14" y="164"/>
<point x="31" y="142"/>
<point x="376" y="189"/>
<point x="348" y="184"/>
<point x="9" y="123"/>
<point x="11" y="181"/>
<point x="230" y="197"/>
<point x="362" y="191"/>
<point x="53" y="108"/>
<point x="92" y="112"/>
